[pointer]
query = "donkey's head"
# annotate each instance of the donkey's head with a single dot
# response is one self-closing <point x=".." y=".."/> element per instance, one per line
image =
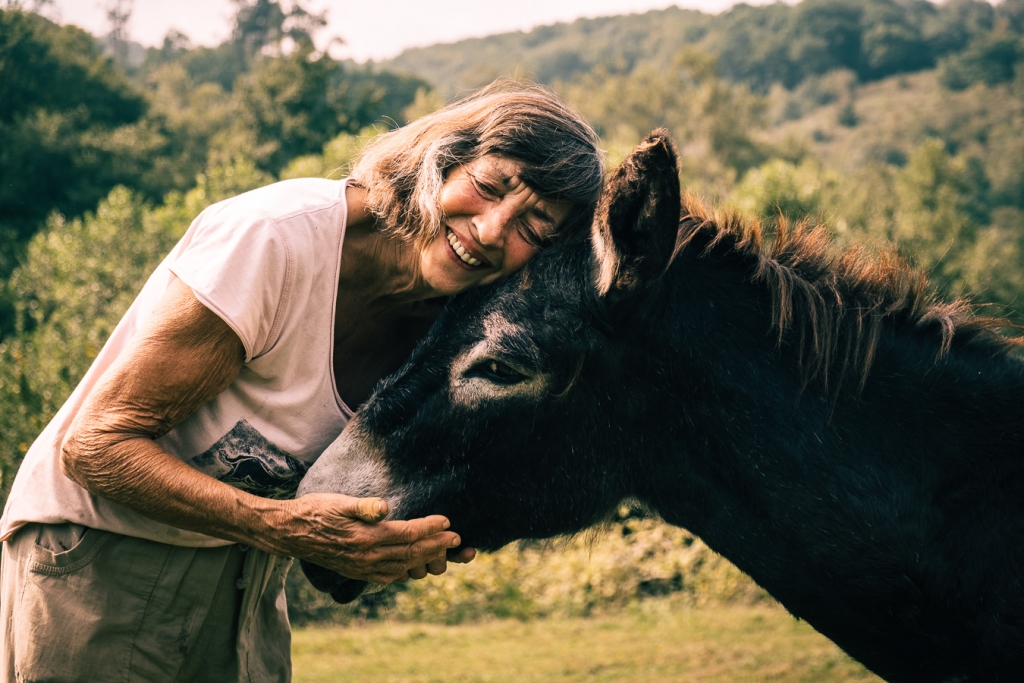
<point x="503" y="419"/>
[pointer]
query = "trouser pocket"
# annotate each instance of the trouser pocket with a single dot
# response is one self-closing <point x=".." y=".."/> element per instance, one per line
<point x="63" y="548"/>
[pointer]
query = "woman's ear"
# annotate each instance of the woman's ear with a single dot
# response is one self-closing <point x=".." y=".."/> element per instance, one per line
<point x="637" y="219"/>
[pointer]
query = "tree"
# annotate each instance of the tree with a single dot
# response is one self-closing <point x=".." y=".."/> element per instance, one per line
<point x="294" y="104"/>
<point x="1011" y="12"/>
<point x="957" y="22"/>
<point x="66" y="117"/>
<point x="118" y="13"/>
<point x="291" y="106"/>
<point x="796" y="191"/>
<point x="991" y="59"/>
<point x="712" y="121"/>
<point x="893" y="47"/>
<point x="827" y="35"/>
<point x="944" y="209"/>
<point x="262" y="24"/>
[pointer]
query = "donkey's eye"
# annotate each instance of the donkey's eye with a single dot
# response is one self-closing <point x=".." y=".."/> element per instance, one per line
<point x="497" y="372"/>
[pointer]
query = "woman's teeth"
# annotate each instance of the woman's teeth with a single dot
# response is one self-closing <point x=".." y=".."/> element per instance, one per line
<point x="461" y="250"/>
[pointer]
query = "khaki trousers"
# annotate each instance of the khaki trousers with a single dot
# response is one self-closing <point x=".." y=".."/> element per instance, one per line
<point x="79" y="604"/>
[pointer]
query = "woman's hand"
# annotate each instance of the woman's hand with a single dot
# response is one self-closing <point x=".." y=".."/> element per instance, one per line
<point x="346" y="535"/>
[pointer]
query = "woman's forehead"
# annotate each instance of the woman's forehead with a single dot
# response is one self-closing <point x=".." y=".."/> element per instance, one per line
<point x="497" y="164"/>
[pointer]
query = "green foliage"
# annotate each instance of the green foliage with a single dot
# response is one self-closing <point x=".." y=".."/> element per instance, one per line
<point x="1011" y="12"/>
<point x="290" y="106"/>
<point x="779" y="187"/>
<point x="262" y="24"/>
<point x="68" y="122"/>
<point x="759" y="46"/>
<point x="261" y="27"/>
<point x="335" y="161"/>
<point x="943" y="220"/>
<point x="59" y="68"/>
<point x="200" y="123"/>
<point x="294" y="104"/>
<point x="713" y="121"/>
<point x="847" y="116"/>
<point x="989" y="59"/>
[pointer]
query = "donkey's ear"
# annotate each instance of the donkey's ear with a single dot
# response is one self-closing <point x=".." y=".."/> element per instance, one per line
<point x="637" y="219"/>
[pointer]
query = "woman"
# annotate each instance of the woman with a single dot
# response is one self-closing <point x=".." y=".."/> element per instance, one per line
<point x="143" y="530"/>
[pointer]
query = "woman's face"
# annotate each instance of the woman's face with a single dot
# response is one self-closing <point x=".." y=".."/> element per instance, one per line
<point x="493" y="222"/>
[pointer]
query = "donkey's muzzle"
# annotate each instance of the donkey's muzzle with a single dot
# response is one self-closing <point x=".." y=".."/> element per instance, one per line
<point x="341" y="588"/>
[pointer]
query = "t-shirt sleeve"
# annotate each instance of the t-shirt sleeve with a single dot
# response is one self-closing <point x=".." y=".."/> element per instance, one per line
<point x="239" y="265"/>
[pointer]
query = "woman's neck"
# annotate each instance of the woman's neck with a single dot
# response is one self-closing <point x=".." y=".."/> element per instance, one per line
<point x="380" y="269"/>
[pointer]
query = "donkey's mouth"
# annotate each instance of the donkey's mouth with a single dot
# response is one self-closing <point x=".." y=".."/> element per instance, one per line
<point x="341" y="588"/>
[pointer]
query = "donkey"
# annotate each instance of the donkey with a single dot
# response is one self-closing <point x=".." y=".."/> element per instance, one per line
<point x="851" y="442"/>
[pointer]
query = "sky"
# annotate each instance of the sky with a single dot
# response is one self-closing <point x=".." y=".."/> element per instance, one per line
<point x="369" y="30"/>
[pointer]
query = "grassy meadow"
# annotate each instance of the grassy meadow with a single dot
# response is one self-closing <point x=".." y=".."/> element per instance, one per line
<point x="656" y="640"/>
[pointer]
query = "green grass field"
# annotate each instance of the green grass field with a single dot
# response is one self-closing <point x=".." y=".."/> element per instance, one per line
<point x="651" y="642"/>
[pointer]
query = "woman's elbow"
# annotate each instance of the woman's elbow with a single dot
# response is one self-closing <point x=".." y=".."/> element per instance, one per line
<point x="71" y="457"/>
<point x="82" y="457"/>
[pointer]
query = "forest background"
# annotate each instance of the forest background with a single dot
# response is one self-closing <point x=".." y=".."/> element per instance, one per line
<point x="895" y="122"/>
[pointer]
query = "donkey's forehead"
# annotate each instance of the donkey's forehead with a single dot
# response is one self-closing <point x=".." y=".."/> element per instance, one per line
<point x="501" y="333"/>
<point x="497" y="324"/>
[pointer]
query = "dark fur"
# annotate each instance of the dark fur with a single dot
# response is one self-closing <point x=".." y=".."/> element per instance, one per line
<point x="853" y="444"/>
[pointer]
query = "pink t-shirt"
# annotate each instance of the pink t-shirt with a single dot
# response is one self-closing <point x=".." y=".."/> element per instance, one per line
<point x="267" y="262"/>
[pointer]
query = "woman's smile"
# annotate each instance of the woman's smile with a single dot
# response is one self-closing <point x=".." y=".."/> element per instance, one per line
<point x="465" y="251"/>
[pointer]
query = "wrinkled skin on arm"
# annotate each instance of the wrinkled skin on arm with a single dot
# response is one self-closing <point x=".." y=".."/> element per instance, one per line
<point x="181" y="360"/>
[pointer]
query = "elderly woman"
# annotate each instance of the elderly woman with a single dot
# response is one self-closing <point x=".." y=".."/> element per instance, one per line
<point x="144" y="532"/>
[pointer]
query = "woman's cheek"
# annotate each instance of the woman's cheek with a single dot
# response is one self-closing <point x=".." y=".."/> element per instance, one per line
<point x="517" y="252"/>
<point x="459" y="198"/>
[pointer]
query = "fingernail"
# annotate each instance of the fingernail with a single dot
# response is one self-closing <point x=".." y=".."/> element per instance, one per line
<point x="382" y="507"/>
<point x="446" y="524"/>
<point x="455" y="542"/>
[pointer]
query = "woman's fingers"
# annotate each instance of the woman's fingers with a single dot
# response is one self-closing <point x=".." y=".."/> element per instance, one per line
<point x="414" y="554"/>
<point x="462" y="556"/>
<point x="369" y="510"/>
<point x="402" y="532"/>
<point x="437" y="567"/>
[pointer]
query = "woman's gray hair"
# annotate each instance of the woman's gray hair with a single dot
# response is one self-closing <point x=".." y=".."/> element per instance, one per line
<point x="403" y="170"/>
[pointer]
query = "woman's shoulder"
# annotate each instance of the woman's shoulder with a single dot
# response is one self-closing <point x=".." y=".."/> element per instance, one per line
<point x="286" y="199"/>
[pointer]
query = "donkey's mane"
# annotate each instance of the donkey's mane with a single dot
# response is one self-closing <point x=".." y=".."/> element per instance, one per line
<point x="837" y="301"/>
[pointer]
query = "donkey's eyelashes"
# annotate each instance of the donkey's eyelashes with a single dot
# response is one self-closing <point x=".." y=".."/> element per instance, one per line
<point x="496" y="371"/>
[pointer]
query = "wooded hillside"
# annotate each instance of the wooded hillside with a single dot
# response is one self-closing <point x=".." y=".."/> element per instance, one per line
<point x="759" y="46"/>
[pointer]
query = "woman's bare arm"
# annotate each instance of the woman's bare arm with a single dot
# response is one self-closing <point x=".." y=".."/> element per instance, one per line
<point x="182" y="359"/>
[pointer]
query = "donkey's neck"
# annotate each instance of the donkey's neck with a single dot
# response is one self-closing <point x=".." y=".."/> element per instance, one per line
<point x="848" y="507"/>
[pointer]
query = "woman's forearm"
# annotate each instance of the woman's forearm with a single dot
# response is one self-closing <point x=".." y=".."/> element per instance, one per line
<point x="137" y="473"/>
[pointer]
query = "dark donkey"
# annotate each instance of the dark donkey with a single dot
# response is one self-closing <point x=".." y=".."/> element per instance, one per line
<point x="854" y="445"/>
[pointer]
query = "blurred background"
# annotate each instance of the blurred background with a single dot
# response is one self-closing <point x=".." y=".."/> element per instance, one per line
<point x="891" y="121"/>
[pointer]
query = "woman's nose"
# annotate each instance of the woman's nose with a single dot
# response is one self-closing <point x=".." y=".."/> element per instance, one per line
<point x="492" y="223"/>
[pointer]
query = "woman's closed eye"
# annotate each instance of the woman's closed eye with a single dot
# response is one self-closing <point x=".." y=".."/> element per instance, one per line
<point x="530" y="235"/>
<point x="485" y="189"/>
